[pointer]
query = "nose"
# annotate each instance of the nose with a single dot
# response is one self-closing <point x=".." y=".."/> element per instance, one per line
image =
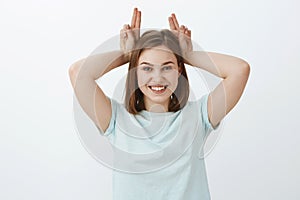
<point x="157" y="75"/>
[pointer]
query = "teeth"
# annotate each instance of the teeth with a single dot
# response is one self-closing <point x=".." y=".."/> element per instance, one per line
<point x="157" y="88"/>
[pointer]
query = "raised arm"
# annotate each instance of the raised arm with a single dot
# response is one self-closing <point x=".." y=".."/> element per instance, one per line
<point x="234" y="72"/>
<point x="90" y="96"/>
<point x="84" y="73"/>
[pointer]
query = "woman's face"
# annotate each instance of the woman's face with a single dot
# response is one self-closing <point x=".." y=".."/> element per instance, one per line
<point x="157" y="74"/>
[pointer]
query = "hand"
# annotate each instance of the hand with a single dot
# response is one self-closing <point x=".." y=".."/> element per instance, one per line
<point x="183" y="34"/>
<point x="130" y="33"/>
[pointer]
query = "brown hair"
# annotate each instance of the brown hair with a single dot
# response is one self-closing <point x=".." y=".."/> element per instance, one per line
<point x="134" y="98"/>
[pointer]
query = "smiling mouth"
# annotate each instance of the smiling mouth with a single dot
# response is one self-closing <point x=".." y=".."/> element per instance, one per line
<point x="158" y="89"/>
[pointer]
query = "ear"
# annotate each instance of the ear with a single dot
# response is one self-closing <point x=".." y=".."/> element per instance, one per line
<point x="179" y="71"/>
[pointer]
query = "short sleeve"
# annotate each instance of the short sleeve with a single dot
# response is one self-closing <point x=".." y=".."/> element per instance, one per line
<point x="204" y="115"/>
<point x="111" y="127"/>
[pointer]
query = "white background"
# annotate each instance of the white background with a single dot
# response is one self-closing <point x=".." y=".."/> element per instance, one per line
<point x="257" y="156"/>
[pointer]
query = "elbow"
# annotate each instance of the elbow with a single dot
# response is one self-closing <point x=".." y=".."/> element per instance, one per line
<point x="75" y="67"/>
<point x="244" y="68"/>
<point x="244" y="72"/>
<point x="73" y="72"/>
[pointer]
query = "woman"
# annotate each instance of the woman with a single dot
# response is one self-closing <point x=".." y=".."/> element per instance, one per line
<point x="159" y="130"/>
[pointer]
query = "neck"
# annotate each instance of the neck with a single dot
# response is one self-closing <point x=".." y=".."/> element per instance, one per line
<point x="156" y="107"/>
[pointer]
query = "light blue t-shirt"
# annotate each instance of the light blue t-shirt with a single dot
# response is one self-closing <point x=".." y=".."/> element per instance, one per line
<point x="159" y="156"/>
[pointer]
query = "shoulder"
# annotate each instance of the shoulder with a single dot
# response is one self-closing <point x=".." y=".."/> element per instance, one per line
<point x="198" y="104"/>
<point x="201" y="107"/>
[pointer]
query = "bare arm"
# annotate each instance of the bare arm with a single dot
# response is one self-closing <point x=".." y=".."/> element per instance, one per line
<point x="234" y="72"/>
<point x="85" y="72"/>
<point x="83" y="75"/>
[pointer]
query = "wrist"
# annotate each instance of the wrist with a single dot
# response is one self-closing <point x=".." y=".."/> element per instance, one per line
<point x="126" y="57"/>
<point x="188" y="57"/>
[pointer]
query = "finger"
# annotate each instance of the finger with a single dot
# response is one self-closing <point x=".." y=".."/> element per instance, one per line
<point x="125" y="26"/>
<point x="186" y="33"/>
<point x="175" y="21"/>
<point x="128" y="30"/>
<point x="124" y="35"/>
<point x="181" y="30"/>
<point x="171" y="23"/>
<point x="186" y="30"/>
<point x="133" y="19"/>
<point x="138" y="20"/>
<point x="123" y="31"/>
<point x="189" y="33"/>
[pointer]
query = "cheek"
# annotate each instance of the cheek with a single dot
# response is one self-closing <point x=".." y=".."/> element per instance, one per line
<point x="173" y="77"/>
<point x="142" y="79"/>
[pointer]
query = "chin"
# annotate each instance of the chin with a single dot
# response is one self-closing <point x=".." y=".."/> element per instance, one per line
<point x="156" y="98"/>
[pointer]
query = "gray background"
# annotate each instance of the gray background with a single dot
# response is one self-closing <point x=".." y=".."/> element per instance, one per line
<point x="257" y="155"/>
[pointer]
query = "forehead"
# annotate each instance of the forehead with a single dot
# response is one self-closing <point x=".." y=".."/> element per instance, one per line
<point x="157" y="55"/>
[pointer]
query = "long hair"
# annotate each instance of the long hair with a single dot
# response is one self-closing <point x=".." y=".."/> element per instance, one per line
<point x="134" y="98"/>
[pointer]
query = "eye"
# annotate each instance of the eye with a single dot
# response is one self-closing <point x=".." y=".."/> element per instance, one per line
<point x="167" y="68"/>
<point x="146" y="68"/>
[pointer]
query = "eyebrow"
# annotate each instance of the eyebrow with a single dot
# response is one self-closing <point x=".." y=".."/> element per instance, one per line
<point x="165" y="63"/>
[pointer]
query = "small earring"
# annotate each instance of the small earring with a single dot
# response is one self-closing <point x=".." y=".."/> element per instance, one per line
<point x="171" y="96"/>
<point x="137" y="101"/>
